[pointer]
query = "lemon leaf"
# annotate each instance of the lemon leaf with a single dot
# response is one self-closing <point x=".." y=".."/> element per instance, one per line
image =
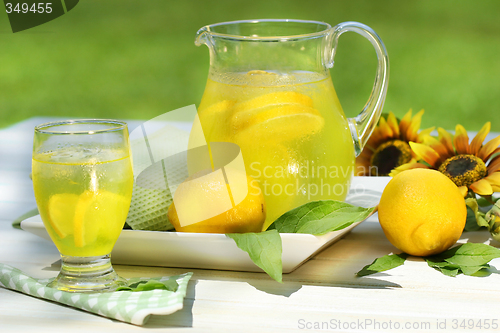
<point x="317" y="218"/>
<point x="468" y="258"/>
<point x="473" y="254"/>
<point x="443" y="266"/>
<point x="264" y="248"/>
<point x="320" y="217"/>
<point x="476" y="219"/>
<point x="471" y="270"/>
<point x="384" y="263"/>
<point x="448" y="271"/>
<point x="471" y="221"/>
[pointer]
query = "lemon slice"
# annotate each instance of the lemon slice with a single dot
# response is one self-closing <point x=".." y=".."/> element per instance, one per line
<point x="219" y="107"/>
<point x="275" y="98"/>
<point x="61" y="211"/>
<point x="101" y="213"/>
<point x="247" y="119"/>
<point x="282" y="123"/>
<point x="282" y="116"/>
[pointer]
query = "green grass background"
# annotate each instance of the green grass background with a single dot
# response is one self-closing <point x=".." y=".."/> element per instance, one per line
<point x="135" y="59"/>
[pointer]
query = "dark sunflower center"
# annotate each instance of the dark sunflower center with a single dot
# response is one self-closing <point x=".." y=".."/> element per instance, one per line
<point x="464" y="170"/>
<point x="388" y="156"/>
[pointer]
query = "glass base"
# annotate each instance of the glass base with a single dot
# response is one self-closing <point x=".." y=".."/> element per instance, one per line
<point x="87" y="275"/>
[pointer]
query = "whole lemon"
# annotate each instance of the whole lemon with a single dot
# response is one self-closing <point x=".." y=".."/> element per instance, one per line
<point x="209" y="192"/>
<point x="422" y="212"/>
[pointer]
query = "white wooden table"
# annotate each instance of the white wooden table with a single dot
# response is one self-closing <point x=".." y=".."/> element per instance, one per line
<point x="321" y="295"/>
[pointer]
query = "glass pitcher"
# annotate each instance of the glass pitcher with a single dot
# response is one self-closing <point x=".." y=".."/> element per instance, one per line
<point x="269" y="91"/>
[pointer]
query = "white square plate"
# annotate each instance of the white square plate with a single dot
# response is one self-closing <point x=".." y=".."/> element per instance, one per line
<point x="216" y="251"/>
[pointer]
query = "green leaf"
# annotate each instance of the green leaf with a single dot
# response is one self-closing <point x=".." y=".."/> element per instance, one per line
<point x="483" y="203"/>
<point x="264" y="248"/>
<point x="320" y="217"/>
<point x="438" y="263"/>
<point x="470" y="270"/>
<point x="471" y="222"/>
<point x="144" y="285"/>
<point x="473" y="205"/>
<point x="383" y="264"/>
<point x="482" y="272"/>
<point x="474" y="254"/>
<point x="468" y="258"/>
<point x="317" y="218"/>
<point x="448" y="271"/>
<point x="493" y="220"/>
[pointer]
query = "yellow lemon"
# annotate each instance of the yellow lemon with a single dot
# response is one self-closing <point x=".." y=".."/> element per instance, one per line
<point x="422" y="212"/>
<point x="61" y="211"/>
<point x="207" y="194"/>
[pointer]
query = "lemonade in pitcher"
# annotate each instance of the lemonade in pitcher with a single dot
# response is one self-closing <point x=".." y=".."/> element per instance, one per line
<point x="83" y="196"/>
<point x="292" y="132"/>
<point x="269" y="90"/>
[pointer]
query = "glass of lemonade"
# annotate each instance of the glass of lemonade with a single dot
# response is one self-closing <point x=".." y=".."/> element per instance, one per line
<point x="82" y="178"/>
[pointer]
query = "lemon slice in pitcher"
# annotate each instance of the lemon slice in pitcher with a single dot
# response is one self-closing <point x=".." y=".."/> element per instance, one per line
<point x="61" y="211"/>
<point x="218" y="108"/>
<point x="282" y="116"/>
<point x="99" y="214"/>
<point x="275" y="98"/>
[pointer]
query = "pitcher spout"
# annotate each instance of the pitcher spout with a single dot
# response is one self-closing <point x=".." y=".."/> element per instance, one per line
<point x="202" y="36"/>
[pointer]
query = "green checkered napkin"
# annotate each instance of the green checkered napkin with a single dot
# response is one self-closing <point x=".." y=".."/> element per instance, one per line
<point x="130" y="307"/>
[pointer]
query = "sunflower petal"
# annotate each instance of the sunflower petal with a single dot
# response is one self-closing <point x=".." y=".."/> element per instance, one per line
<point x="365" y="161"/>
<point x="438" y="146"/>
<point x="495" y="154"/>
<point x="375" y="139"/>
<point x="494" y="165"/>
<point x="425" y="153"/>
<point x="385" y="129"/>
<point x="488" y="149"/>
<point x="404" y="124"/>
<point x="393" y="124"/>
<point x="407" y="166"/>
<point x="411" y="132"/>
<point x="424" y="133"/>
<point x="463" y="190"/>
<point x="493" y="178"/>
<point x="461" y="140"/>
<point x="481" y="187"/>
<point x="362" y="162"/>
<point x="446" y="138"/>
<point x="477" y="142"/>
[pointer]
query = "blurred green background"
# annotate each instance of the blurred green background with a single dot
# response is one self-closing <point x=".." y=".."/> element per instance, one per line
<point x="136" y="59"/>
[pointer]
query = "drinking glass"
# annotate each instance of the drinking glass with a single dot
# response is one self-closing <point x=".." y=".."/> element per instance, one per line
<point x="82" y="179"/>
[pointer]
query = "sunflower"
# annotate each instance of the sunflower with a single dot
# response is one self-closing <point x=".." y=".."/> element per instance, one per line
<point x="471" y="166"/>
<point x="388" y="146"/>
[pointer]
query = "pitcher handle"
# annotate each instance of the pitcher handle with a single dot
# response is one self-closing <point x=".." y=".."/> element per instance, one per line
<point x="363" y="124"/>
